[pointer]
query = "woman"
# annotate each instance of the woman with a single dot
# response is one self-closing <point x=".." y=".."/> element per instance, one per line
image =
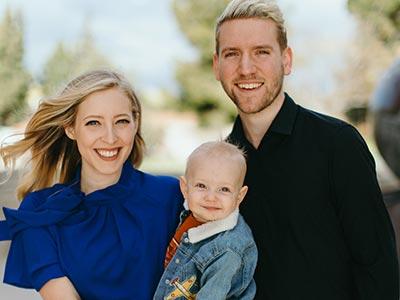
<point x="102" y="230"/>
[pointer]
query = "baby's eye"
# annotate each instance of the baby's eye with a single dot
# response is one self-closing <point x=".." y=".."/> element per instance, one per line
<point x="225" y="189"/>
<point x="92" y="123"/>
<point x="200" y="185"/>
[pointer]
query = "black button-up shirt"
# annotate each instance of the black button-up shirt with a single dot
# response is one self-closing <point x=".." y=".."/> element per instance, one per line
<point x="316" y="211"/>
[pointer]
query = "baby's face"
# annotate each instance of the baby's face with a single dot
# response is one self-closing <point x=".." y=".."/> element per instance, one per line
<point x="213" y="188"/>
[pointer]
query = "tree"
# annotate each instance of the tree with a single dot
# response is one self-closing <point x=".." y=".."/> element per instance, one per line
<point x="373" y="49"/>
<point x="14" y="79"/>
<point x="199" y="89"/>
<point x="57" y="69"/>
<point x="65" y="63"/>
<point x="383" y="15"/>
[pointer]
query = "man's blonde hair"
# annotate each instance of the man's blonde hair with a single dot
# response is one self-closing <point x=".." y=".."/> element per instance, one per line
<point x="260" y="9"/>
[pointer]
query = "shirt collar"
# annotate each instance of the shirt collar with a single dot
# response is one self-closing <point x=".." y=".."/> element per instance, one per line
<point x="206" y="230"/>
<point x="283" y="122"/>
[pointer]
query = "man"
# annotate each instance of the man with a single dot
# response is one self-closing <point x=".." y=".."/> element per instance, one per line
<point x="314" y="203"/>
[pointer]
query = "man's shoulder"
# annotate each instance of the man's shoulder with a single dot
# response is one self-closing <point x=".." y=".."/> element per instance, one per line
<point x="319" y="124"/>
<point x="327" y="128"/>
<point x="321" y="119"/>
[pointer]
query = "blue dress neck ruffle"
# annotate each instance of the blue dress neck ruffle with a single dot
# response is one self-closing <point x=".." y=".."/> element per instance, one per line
<point x="65" y="202"/>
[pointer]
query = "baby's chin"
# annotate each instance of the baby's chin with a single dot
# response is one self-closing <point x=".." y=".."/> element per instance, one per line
<point x="214" y="215"/>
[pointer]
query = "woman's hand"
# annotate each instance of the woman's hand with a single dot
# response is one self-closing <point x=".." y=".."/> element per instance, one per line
<point x="59" y="289"/>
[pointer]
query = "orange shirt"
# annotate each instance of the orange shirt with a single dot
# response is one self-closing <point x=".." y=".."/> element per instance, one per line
<point x="188" y="223"/>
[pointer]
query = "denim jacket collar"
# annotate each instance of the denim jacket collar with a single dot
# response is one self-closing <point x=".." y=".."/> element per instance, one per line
<point x="209" y="229"/>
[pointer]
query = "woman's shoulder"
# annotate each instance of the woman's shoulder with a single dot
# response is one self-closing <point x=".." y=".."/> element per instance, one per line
<point x="161" y="189"/>
<point x="36" y="198"/>
<point x="165" y="183"/>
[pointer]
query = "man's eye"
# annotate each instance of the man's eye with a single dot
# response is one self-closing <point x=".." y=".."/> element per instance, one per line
<point x="230" y="54"/>
<point x="92" y="123"/>
<point x="225" y="189"/>
<point x="263" y="52"/>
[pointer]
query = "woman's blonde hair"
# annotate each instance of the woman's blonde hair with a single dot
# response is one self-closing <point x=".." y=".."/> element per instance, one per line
<point x="55" y="157"/>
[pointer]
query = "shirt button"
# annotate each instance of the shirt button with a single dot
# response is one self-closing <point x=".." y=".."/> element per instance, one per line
<point x="186" y="240"/>
<point x="167" y="281"/>
<point x="177" y="261"/>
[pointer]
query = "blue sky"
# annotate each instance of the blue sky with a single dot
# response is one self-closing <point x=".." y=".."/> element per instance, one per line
<point x="142" y="37"/>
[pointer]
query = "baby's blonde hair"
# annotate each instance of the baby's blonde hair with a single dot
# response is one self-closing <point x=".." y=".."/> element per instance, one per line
<point x="221" y="150"/>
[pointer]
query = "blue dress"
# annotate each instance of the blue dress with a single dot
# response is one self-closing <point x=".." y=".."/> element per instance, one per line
<point x="110" y="243"/>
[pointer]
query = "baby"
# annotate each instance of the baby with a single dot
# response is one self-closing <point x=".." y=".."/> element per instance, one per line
<point x="213" y="254"/>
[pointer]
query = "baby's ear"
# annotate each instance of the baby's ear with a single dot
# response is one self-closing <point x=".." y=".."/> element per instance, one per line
<point x="183" y="186"/>
<point x="242" y="193"/>
<point x="70" y="132"/>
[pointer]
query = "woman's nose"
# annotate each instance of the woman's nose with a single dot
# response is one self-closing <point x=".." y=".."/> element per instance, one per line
<point x="110" y="135"/>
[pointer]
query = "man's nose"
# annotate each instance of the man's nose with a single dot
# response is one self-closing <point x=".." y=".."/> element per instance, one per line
<point x="247" y="65"/>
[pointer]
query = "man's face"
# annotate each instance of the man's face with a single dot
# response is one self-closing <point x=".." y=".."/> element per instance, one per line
<point x="250" y="64"/>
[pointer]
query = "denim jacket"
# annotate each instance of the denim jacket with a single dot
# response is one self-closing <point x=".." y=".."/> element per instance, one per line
<point x="215" y="260"/>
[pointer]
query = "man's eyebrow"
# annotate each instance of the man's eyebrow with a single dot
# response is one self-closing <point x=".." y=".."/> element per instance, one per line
<point x="229" y="49"/>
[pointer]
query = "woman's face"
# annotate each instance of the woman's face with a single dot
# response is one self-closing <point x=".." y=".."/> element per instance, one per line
<point x="104" y="131"/>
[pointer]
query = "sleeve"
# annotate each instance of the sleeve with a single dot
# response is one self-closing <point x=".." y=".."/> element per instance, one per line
<point x="367" y="228"/>
<point x="32" y="259"/>
<point x="175" y="203"/>
<point x="223" y="279"/>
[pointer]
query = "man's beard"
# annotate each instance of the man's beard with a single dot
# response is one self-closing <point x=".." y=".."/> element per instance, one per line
<point x="271" y="93"/>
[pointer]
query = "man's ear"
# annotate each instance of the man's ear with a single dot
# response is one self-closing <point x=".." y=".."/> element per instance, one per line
<point x="70" y="132"/>
<point x="242" y="193"/>
<point x="183" y="186"/>
<point x="216" y="66"/>
<point x="287" y="60"/>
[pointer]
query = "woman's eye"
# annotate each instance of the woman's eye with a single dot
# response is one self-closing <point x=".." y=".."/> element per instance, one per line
<point x="123" y="121"/>
<point x="92" y="123"/>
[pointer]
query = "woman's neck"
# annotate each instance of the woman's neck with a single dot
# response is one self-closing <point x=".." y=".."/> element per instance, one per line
<point x="90" y="184"/>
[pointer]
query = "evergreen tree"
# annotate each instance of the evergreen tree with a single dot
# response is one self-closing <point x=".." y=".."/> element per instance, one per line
<point x="14" y="79"/>
<point x="383" y="15"/>
<point x="57" y="69"/>
<point x="65" y="63"/>
<point x="198" y="88"/>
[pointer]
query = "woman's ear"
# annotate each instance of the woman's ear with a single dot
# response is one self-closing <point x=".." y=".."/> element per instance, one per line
<point x="70" y="132"/>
